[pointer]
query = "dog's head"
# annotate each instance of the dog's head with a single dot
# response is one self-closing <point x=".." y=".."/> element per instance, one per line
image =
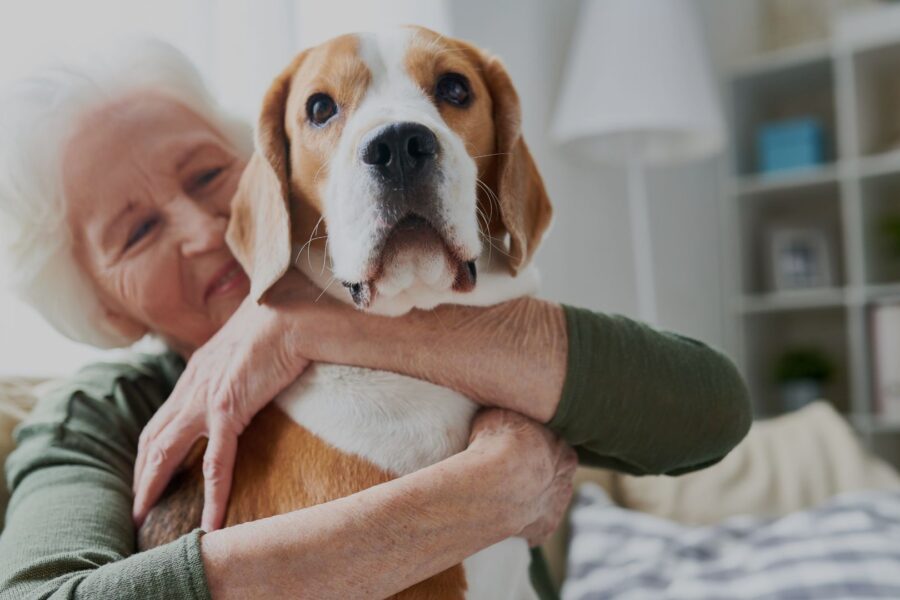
<point x="404" y="149"/>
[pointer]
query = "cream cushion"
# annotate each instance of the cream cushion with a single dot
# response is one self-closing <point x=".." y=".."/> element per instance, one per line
<point x="786" y="464"/>
<point x="16" y="399"/>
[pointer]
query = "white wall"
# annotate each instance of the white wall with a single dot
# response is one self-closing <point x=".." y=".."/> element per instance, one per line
<point x="587" y="258"/>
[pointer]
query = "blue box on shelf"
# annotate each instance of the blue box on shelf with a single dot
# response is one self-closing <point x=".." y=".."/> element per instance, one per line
<point x="792" y="144"/>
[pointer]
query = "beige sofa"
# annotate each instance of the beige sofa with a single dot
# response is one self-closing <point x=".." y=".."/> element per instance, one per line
<point x="786" y="464"/>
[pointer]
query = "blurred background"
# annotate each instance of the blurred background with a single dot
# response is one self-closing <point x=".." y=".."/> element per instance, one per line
<point x="729" y="169"/>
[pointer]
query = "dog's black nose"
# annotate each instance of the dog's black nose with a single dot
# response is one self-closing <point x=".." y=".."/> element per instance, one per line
<point x="401" y="152"/>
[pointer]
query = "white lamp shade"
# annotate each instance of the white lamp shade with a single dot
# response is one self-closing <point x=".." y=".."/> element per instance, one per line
<point x="638" y="85"/>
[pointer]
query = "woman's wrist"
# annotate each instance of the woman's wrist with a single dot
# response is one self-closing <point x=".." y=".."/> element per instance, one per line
<point x="512" y="355"/>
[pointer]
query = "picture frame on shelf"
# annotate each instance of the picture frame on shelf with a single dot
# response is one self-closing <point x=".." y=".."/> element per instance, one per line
<point x="799" y="258"/>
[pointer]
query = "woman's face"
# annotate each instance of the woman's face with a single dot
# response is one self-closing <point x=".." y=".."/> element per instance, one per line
<point x="148" y="185"/>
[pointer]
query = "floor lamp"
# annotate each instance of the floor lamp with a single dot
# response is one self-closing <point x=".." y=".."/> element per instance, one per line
<point x="638" y="91"/>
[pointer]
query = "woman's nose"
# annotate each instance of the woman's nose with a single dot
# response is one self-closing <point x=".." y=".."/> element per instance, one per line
<point x="201" y="230"/>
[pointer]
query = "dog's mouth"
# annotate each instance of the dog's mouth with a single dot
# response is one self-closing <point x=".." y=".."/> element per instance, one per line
<point x="414" y="248"/>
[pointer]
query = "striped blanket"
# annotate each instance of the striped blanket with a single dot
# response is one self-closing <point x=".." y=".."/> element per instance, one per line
<point x="848" y="548"/>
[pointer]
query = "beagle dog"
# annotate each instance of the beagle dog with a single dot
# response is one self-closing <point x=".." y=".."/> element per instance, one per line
<point x="392" y="165"/>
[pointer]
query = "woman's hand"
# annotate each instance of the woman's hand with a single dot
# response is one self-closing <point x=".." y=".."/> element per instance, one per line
<point x="536" y="468"/>
<point x="226" y="382"/>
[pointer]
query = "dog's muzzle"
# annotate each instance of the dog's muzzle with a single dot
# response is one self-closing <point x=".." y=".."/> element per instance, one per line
<point x="403" y="164"/>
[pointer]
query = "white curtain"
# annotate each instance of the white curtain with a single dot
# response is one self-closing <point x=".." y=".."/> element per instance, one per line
<point x="239" y="46"/>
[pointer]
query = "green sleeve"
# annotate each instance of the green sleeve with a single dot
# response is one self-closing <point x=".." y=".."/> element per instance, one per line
<point x="647" y="402"/>
<point x="68" y="531"/>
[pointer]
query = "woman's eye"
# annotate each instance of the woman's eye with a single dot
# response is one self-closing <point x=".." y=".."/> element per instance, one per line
<point x="320" y="108"/>
<point x="139" y="232"/>
<point x="199" y="182"/>
<point x="453" y="88"/>
<point x="208" y="177"/>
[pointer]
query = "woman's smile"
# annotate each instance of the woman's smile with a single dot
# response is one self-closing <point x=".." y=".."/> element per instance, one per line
<point x="229" y="279"/>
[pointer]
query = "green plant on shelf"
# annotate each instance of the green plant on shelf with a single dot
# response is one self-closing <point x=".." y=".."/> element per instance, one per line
<point x="890" y="231"/>
<point x="804" y="364"/>
<point x="801" y="374"/>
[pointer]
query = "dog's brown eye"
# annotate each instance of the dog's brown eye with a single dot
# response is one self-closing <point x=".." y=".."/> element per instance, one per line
<point x="320" y="108"/>
<point x="453" y="88"/>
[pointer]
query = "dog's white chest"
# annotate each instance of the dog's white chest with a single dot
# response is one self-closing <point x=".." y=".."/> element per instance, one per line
<point x="401" y="425"/>
<point x="398" y="423"/>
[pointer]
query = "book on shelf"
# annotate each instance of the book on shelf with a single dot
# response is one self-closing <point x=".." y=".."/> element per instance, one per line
<point x="886" y="335"/>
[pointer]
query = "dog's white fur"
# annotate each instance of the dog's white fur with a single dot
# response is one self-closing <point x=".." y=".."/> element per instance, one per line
<point x="351" y="207"/>
<point x="398" y="423"/>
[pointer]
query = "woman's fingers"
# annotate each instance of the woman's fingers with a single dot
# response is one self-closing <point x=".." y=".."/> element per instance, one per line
<point x="228" y="379"/>
<point x="162" y="457"/>
<point x="218" y="469"/>
<point x="157" y="424"/>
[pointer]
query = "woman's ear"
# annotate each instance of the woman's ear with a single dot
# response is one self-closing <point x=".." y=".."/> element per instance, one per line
<point x="524" y="205"/>
<point x="259" y="231"/>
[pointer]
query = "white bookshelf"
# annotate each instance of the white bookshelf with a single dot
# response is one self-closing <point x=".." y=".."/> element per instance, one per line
<point x="851" y="83"/>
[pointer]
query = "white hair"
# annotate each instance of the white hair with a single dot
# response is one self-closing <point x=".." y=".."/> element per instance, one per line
<point x="37" y="116"/>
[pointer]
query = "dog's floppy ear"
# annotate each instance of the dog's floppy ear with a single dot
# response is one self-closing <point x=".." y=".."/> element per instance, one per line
<point x="524" y="205"/>
<point x="259" y="232"/>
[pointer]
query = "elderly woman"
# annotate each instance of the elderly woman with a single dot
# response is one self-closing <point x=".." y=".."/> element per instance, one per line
<point x="115" y="182"/>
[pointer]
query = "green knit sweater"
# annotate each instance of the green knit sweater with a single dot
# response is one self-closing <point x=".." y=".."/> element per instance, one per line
<point x="635" y="400"/>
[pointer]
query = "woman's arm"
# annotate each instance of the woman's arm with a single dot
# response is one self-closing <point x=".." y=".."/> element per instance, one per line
<point x="627" y="396"/>
<point x="381" y="541"/>
<point x="69" y="531"/>
<point x="516" y="352"/>
<point x="512" y="355"/>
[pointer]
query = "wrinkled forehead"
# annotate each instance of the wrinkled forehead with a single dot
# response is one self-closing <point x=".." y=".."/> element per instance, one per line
<point x="352" y="66"/>
<point x="137" y="133"/>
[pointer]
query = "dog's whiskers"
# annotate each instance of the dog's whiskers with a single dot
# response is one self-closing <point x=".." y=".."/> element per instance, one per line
<point x="314" y="231"/>
<point x="498" y="248"/>
<point x="482" y="220"/>
<point x="307" y="245"/>
<point x="325" y="289"/>
<point x="325" y="259"/>
<point x="484" y="229"/>
<point x="491" y="195"/>
<point x="326" y="163"/>
<point x="311" y="239"/>
<point x="487" y="218"/>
